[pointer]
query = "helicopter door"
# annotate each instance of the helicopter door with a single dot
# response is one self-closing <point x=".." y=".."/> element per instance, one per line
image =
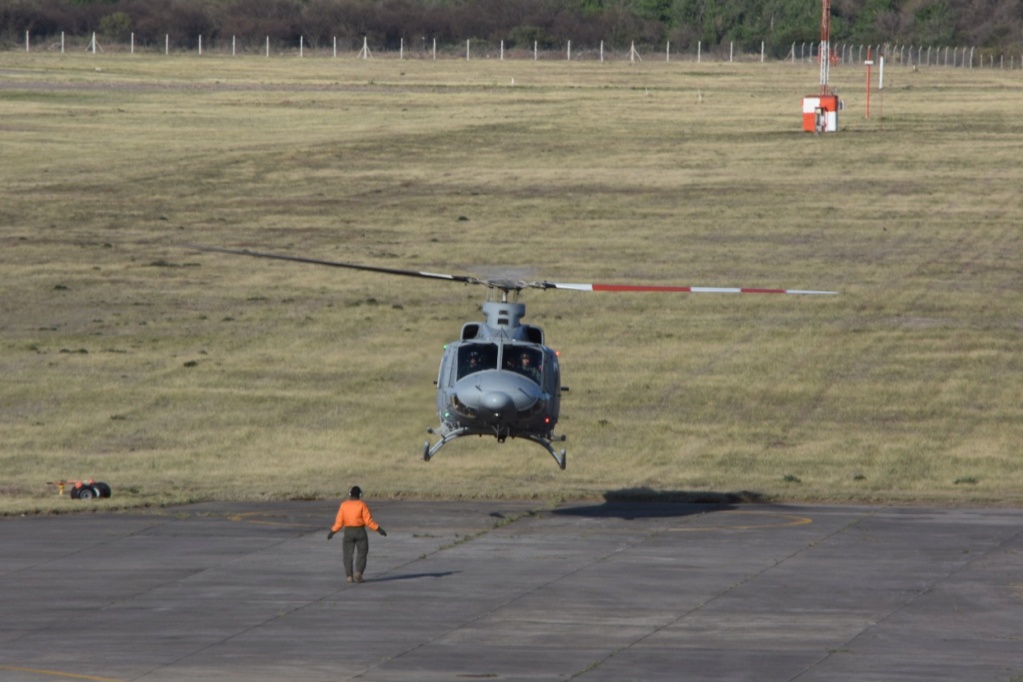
<point x="552" y="374"/>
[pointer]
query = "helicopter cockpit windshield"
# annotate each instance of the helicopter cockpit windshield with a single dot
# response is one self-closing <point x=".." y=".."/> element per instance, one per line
<point x="476" y="357"/>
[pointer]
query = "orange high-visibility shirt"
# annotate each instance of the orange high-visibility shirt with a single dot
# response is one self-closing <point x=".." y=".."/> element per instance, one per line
<point x="353" y="513"/>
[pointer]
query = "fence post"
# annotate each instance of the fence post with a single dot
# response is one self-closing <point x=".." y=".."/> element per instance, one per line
<point x="793" y="52"/>
<point x="569" y="53"/>
<point x="268" y="47"/>
<point x="601" y="51"/>
<point x="26" y="41"/>
<point x="667" y="52"/>
<point x="699" y="51"/>
<point x="731" y="50"/>
<point x="534" y="51"/>
<point x="62" y="42"/>
<point x="200" y="44"/>
<point x="502" y="50"/>
<point x="761" y="51"/>
<point x="166" y="43"/>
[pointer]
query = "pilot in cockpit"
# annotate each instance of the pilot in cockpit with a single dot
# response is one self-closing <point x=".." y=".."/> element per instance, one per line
<point x="527" y="368"/>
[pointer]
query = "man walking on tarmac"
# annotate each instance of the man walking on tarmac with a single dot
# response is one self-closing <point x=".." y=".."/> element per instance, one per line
<point x="354" y="517"/>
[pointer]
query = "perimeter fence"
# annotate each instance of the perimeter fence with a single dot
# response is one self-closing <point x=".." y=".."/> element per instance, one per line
<point x="841" y="54"/>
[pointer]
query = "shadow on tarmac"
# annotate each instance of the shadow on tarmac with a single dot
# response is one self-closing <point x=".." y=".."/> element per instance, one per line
<point x="647" y="503"/>
<point x="412" y="576"/>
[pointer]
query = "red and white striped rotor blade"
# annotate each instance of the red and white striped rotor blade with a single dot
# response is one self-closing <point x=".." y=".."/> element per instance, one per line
<point x="688" y="290"/>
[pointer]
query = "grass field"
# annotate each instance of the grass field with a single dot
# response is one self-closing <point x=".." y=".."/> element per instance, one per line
<point x="175" y="375"/>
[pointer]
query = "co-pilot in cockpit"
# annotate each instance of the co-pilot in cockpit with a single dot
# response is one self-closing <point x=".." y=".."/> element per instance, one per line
<point x="527" y="362"/>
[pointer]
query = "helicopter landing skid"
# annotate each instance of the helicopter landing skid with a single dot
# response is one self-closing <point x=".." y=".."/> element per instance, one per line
<point x="560" y="457"/>
<point x="430" y="450"/>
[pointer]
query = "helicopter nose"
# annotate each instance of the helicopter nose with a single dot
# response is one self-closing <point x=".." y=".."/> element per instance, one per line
<point x="497" y="403"/>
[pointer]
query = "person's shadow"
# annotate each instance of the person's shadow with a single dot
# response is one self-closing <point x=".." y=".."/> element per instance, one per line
<point x="411" y="576"/>
<point x="646" y="503"/>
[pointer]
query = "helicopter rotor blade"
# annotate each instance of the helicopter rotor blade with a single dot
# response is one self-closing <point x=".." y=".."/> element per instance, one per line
<point x="336" y="264"/>
<point x="677" y="289"/>
<point x="509" y="285"/>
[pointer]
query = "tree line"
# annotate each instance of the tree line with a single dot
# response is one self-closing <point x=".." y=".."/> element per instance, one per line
<point x="992" y="24"/>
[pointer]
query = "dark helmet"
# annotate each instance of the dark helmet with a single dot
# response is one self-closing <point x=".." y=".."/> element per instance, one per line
<point x="356" y="492"/>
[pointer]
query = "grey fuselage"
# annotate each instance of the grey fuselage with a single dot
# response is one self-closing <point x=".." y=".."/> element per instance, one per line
<point x="499" y="378"/>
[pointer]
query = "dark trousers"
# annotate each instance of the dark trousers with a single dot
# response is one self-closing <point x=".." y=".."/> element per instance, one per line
<point x="355" y="541"/>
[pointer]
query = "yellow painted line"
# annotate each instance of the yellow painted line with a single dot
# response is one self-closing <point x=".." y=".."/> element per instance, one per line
<point x="252" y="517"/>
<point x="777" y="520"/>
<point x="57" y="673"/>
<point x="243" y="517"/>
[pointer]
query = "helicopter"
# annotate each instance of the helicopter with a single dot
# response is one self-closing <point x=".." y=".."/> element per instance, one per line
<point x="500" y="378"/>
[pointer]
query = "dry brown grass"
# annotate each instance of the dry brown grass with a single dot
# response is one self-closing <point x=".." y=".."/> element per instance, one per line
<point x="175" y="375"/>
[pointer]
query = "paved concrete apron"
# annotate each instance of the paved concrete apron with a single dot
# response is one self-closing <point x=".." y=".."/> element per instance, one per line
<point x="508" y="591"/>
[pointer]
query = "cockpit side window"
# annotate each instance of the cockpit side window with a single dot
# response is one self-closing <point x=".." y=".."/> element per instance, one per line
<point x="525" y="360"/>
<point x="476" y="357"/>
